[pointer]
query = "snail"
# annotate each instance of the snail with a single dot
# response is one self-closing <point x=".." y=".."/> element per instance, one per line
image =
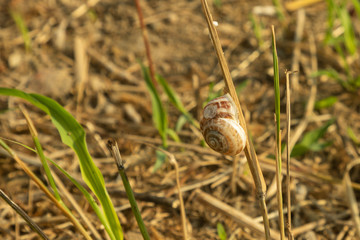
<point x="221" y="128"/>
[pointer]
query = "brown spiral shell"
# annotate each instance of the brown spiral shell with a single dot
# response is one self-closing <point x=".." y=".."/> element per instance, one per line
<point x="220" y="126"/>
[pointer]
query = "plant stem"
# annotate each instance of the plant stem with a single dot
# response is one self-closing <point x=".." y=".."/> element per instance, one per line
<point x="249" y="148"/>
<point x="114" y="149"/>
<point x="288" y="124"/>
<point x="23" y="214"/>
<point x="146" y="42"/>
<point x="278" y="136"/>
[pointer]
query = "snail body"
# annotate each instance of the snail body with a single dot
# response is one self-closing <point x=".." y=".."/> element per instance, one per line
<point x="220" y="126"/>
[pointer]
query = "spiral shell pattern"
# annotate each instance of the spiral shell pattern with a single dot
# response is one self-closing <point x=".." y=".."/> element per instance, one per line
<point x="220" y="126"/>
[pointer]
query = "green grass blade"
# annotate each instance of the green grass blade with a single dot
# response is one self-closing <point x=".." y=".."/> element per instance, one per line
<point x="47" y="170"/>
<point x="256" y="25"/>
<point x="173" y="135"/>
<point x="159" y="115"/>
<point x="89" y="198"/>
<point x="175" y="100"/>
<point x="349" y="34"/>
<point x="310" y="140"/>
<point x="278" y="137"/>
<point x="133" y="204"/>
<point x="356" y="4"/>
<point x="87" y="195"/>
<point x="326" y="102"/>
<point x="221" y="231"/>
<point x="279" y="9"/>
<point x="352" y="135"/>
<point x="276" y="88"/>
<point x="330" y="20"/>
<point x="73" y="135"/>
<point x="20" y="23"/>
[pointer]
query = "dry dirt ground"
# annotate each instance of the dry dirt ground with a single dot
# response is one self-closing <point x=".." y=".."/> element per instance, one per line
<point x="87" y="60"/>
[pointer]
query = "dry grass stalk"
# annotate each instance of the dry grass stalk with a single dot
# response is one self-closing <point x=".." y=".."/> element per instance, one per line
<point x="178" y="186"/>
<point x="235" y="214"/>
<point x="23" y="214"/>
<point x="173" y="161"/>
<point x="64" y="210"/>
<point x="76" y="206"/>
<point x="81" y="71"/>
<point x="353" y="205"/>
<point x="288" y="124"/>
<point x="249" y="148"/>
<point x="146" y="42"/>
<point x="41" y="185"/>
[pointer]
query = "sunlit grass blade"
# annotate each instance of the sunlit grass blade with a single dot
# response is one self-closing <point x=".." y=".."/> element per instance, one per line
<point x="41" y="155"/>
<point x="73" y="135"/>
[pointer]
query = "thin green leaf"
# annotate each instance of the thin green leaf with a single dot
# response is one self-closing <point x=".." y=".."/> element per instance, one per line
<point x="221" y="231"/>
<point x="299" y="150"/>
<point x="87" y="195"/>
<point x="314" y="135"/>
<point x="73" y="135"/>
<point x="310" y="140"/>
<point x="316" y="147"/>
<point x="180" y="123"/>
<point x="326" y="102"/>
<point x="47" y="170"/>
<point x="356" y="4"/>
<point x="276" y="87"/>
<point x="352" y="135"/>
<point x="173" y="135"/>
<point x="279" y="9"/>
<point x="160" y="160"/>
<point x="349" y="35"/>
<point x="89" y="198"/>
<point x="330" y="20"/>
<point x="257" y="28"/>
<point x="175" y="100"/>
<point x="158" y="111"/>
<point x="20" y="23"/>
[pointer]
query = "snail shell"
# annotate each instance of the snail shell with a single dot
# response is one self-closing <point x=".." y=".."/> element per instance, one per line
<point x="220" y="126"/>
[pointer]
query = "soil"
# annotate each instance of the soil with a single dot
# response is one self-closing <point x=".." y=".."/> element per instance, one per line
<point x="87" y="59"/>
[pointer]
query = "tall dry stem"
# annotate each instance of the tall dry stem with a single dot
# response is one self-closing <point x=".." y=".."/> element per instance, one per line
<point x="249" y="148"/>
